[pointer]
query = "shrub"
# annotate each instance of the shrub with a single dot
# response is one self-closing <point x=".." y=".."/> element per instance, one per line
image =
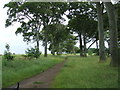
<point x="7" y="53"/>
<point x="33" y="52"/>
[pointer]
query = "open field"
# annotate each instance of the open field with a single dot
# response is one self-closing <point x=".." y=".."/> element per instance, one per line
<point x="20" y="69"/>
<point x="77" y="72"/>
<point x="86" y="73"/>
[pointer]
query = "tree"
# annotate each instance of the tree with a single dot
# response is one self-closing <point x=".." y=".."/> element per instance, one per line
<point x="32" y="16"/>
<point x="80" y="15"/>
<point x="101" y="31"/>
<point x="28" y="16"/>
<point x="69" y="44"/>
<point x="57" y="35"/>
<point x="83" y="26"/>
<point x="113" y="33"/>
<point x="7" y="53"/>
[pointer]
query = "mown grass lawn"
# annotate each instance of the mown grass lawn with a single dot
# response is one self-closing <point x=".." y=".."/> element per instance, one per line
<point x="86" y="73"/>
<point x="20" y="69"/>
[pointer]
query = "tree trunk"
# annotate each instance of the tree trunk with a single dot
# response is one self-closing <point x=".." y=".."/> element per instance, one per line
<point x="101" y="32"/>
<point x="53" y="49"/>
<point x="113" y="34"/>
<point x="97" y="46"/>
<point x="81" y="48"/>
<point x="45" y="55"/>
<point x="60" y="50"/>
<point x="38" y="40"/>
<point x="84" y="40"/>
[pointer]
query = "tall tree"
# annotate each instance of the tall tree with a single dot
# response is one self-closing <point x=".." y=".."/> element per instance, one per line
<point x="57" y="35"/>
<point x="37" y="14"/>
<point x="80" y="14"/>
<point x="101" y="31"/>
<point x="113" y="33"/>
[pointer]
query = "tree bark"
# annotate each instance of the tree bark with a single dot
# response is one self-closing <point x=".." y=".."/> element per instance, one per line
<point x="60" y="50"/>
<point x="38" y="40"/>
<point x="45" y="54"/>
<point x="97" y="46"/>
<point x="113" y="34"/>
<point x="53" y="49"/>
<point x="84" y="40"/>
<point x="101" y="32"/>
<point x="80" y="41"/>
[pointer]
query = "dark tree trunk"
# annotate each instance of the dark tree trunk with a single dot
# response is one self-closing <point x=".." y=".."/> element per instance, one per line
<point x="45" y="55"/>
<point x="38" y="45"/>
<point x="38" y="40"/>
<point x="84" y="40"/>
<point x="53" y="50"/>
<point x="81" y="47"/>
<point x="97" y="46"/>
<point x="113" y="34"/>
<point x="45" y="52"/>
<point x="101" y="32"/>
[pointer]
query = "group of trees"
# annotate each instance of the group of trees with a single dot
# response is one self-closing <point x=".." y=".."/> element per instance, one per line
<point x="90" y="21"/>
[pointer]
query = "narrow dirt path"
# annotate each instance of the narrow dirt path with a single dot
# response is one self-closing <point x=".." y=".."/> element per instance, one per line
<point x="42" y="80"/>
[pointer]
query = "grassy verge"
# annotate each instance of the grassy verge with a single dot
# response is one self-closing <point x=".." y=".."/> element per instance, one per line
<point x="19" y="69"/>
<point x="86" y="73"/>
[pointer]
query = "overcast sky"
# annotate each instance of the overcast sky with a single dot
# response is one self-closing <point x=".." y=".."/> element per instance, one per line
<point x="7" y="35"/>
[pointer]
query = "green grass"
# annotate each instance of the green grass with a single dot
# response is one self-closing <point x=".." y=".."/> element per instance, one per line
<point x="20" y="69"/>
<point x="86" y="73"/>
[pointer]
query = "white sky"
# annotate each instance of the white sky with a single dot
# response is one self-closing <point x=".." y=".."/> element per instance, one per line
<point x="7" y="35"/>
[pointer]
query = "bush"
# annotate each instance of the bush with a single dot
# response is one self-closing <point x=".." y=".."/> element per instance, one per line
<point x="8" y="56"/>
<point x="7" y="53"/>
<point x="33" y="52"/>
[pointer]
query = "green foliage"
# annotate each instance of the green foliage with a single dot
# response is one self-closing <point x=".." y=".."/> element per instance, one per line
<point x="35" y="13"/>
<point x="33" y="52"/>
<point x="93" y="51"/>
<point x="59" y="38"/>
<point x="86" y="73"/>
<point x="7" y="53"/>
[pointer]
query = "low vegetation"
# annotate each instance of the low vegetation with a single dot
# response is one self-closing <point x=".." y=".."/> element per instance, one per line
<point x="20" y="68"/>
<point x="7" y="53"/>
<point x="86" y="73"/>
<point x="33" y="52"/>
